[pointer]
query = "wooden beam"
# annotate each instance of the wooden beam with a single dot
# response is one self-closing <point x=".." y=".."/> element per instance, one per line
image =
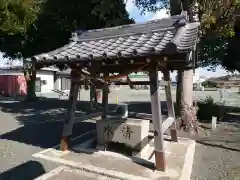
<point x="92" y="74"/>
<point x="69" y="121"/>
<point x="167" y="123"/>
<point x="170" y="104"/>
<point x="157" y="118"/>
<point x="130" y="82"/>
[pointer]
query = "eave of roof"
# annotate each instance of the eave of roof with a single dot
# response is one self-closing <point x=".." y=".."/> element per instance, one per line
<point x="128" y="41"/>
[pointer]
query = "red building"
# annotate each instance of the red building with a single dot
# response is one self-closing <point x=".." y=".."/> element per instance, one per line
<point x="11" y="85"/>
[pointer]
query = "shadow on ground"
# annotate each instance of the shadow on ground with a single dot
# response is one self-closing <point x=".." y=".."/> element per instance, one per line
<point x="226" y="136"/>
<point x="49" y="109"/>
<point x="145" y="107"/>
<point x="42" y="121"/>
<point x="27" y="171"/>
<point x="222" y="146"/>
<point x="44" y="135"/>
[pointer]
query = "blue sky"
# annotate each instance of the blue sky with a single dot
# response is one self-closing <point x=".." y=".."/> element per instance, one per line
<point x="135" y="13"/>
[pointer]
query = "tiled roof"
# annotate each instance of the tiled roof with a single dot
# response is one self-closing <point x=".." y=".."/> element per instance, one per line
<point x="128" y="41"/>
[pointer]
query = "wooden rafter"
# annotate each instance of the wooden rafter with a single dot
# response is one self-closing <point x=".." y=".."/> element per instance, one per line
<point x="86" y="74"/>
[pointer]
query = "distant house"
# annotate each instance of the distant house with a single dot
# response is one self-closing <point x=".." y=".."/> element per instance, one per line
<point x="12" y="80"/>
<point x="235" y="78"/>
<point x="198" y="79"/>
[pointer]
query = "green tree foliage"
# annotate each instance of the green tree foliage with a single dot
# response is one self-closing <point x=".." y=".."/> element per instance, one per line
<point x="217" y="21"/>
<point x="218" y="34"/>
<point x="209" y="84"/>
<point x="29" y="27"/>
<point x="231" y="60"/>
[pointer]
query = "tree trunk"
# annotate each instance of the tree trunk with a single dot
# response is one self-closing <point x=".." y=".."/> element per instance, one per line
<point x="187" y="84"/>
<point x="186" y="103"/>
<point x="184" y="96"/>
<point x="30" y="80"/>
<point x="175" y="7"/>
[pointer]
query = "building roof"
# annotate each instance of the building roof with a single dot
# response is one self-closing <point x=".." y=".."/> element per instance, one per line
<point x="127" y="41"/>
<point x="6" y="64"/>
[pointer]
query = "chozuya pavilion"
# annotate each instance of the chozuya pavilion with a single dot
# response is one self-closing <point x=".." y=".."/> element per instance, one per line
<point x="158" y="45"/>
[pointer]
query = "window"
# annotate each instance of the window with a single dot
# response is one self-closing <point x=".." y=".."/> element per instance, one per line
<point x="38" y="84"/>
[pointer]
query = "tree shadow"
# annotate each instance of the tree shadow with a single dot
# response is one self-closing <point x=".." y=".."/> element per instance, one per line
<point x="45" y="135"/>
<point x="218" y="146"/>
<point x="232" y="115"/>
<point x="213" y="140"/>
<point x="50" y="105"/>
<point x="43" y="121"/>
<point x="27" y="171"/>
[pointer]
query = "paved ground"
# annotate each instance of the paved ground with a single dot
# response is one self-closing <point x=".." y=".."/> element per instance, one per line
<point x="67" y="173"/>
<point x="22" y="134"/>
<point x="128" y="95"/>
<point x="119" y="166"/>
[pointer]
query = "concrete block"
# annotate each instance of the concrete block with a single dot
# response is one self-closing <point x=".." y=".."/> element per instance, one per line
<point x="131" y="132"/>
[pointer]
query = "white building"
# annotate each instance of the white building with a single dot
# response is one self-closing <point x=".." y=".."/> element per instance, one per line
<point x="47" y="79"/>
<point x="198" y="79"/>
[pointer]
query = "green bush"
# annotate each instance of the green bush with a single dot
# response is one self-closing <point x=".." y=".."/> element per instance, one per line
<point x="209" y="84"/>
<point x="207" y="108"/>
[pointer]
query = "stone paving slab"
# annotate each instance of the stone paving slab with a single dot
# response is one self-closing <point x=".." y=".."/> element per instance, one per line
<point x="179" y="158"/>
<point x="68" y="173"/>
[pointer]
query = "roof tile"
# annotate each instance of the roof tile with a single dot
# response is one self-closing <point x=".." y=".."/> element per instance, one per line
<point x="128" y="40"/>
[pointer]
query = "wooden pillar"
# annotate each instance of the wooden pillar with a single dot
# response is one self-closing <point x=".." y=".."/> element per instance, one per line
<point x="170" y="104"/>
<point x="69" y="121"/>
<point x="157" y="118"/>
<point x="93" y="90"/>
<point x="86" y="84"/>
<point x="105" y="98"/>
<point x="179" y="93"/>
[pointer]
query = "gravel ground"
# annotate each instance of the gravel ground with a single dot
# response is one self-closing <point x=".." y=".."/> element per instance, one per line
<point x="16" y="162"/>
<point x="22" y="134"/>
<point x="217" y="155"/>
<point x="212" y="163"/>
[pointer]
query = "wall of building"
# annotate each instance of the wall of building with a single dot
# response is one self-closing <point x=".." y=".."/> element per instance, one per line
<point x="47" y="78"/>
<point x="12" y="85"/>
<point x="57" y="82"/>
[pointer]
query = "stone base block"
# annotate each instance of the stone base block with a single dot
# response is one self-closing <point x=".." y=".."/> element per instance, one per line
<point x="131" y="132"/>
